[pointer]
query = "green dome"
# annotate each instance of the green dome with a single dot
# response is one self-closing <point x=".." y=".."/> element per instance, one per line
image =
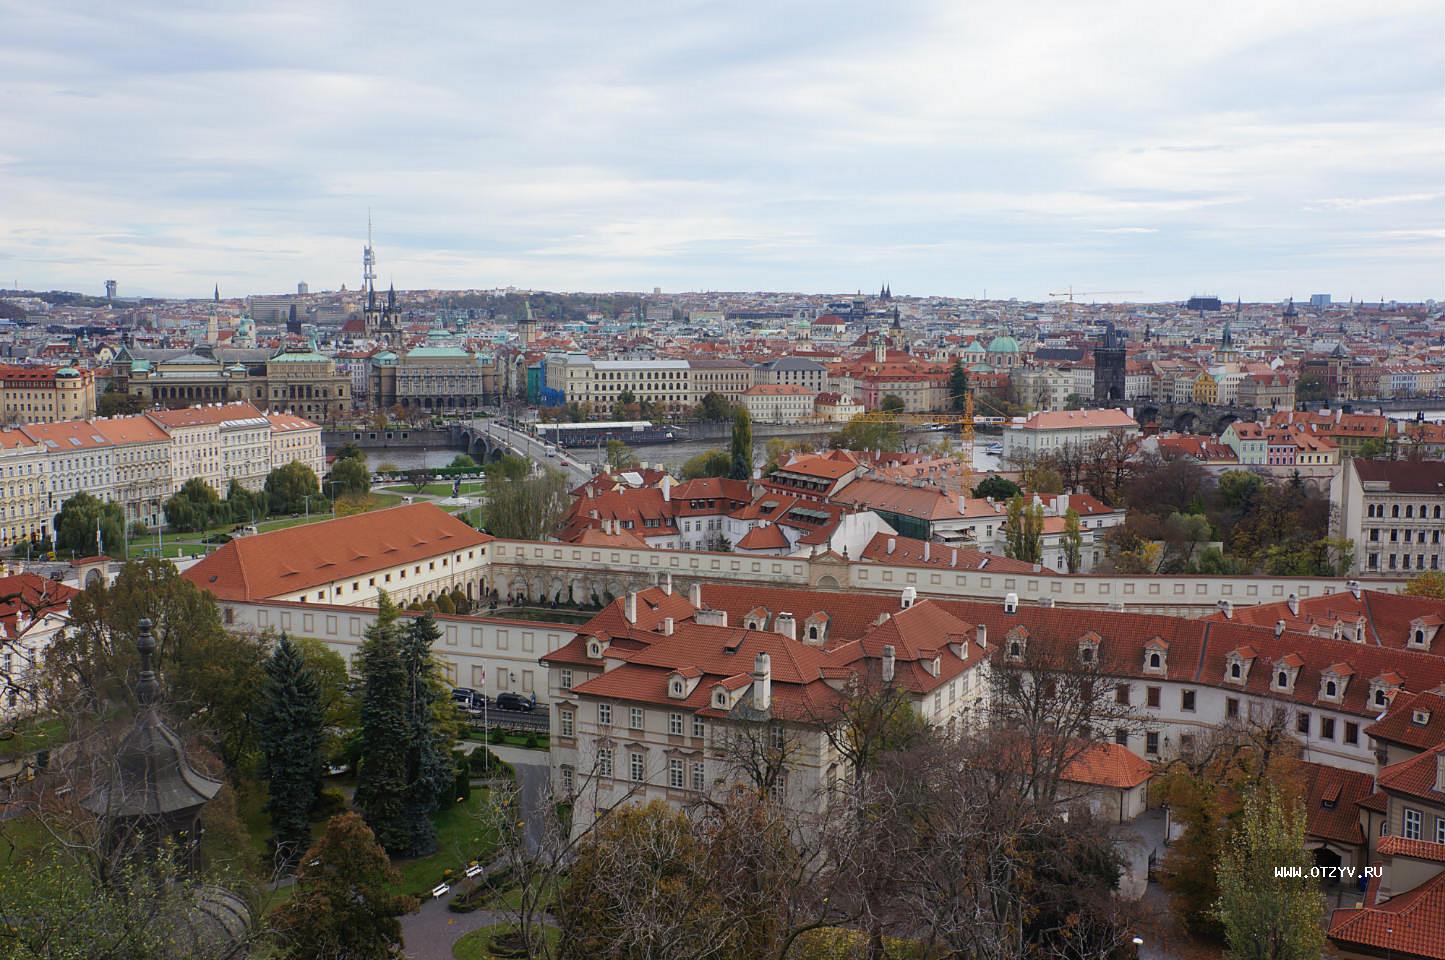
<point x="1004" y="344"/>
<point x="383" y="358"/>
<point x="67" y="372"/>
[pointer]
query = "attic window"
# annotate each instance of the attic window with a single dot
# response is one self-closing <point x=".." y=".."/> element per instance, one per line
<point x="677" y="686"/>
<point x="1420" y="717"/>
<point x="721" y="699"/>
<point x="1419" y="639"/>
<point x="1086" y="653"/>
<point x="1379" y="696"/>
<point x="1332" y="689"/>
<point x="1155" y="661"/>
<point x="1236" y="672"/>
<point x="1281" y="679"/>
<point x="1015" y="650"/>
<point x="813" y="632"/>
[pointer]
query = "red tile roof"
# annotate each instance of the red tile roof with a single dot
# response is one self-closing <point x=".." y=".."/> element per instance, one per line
<point x="297" y="558"/>
<point x="909" y="552"/>
<point x="1399" y="724"/>
<point x="1415" y="777"/>
<point x="1108" y="765"/>
<point x="1394" y="846"/>
<point x="1332" y="802"/>
<point x="1411" y="924"/>
<point x="31" y="596"/>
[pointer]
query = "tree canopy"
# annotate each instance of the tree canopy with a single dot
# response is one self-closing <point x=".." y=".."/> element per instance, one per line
<point x="77" y="523"/>
<point x="288" y="487"/>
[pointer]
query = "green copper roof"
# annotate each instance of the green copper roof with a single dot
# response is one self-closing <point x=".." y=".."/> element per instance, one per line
<point x="1003" y="344"/>
<point x="307" y="357"/>
<point x="435" y="353"/>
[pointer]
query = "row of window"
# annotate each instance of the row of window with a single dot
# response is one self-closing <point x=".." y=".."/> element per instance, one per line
<point x="1411" y="826"/>
<point x="636" y="719"/>
<point x="1378" y="510"/>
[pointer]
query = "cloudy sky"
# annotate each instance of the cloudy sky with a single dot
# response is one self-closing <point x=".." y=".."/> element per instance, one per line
<point x="1242" y="147"/>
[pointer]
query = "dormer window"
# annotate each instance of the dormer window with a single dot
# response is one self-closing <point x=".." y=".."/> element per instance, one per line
<point x="1420" y="718"/>
<point x="1380" y="697"/>
<point x="1156" y="654"/>
<point x="1236" y="671"/>
<point x="1086" y="654"/>
<point x="1332" y="690"/>
<point x="1015" y="650"/>
<point x="595" y="648"/>
<point x="813" y="632"/>
<point x="677" y="688"/>
<point x="720" y="698"/>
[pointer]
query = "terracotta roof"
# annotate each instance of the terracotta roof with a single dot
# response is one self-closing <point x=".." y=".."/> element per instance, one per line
<point x="1405" y="476"/>
<point x="297" y="558"/>
<point x="1332" y="802"/>
<point x="1075" y="419"/>
<point x="1411" y="924"/>
<point x="1395" y="846"/>
<point x="1398" y="724"/>
<point x="32" y="596"/>
<point x="1388" y="616"/>
<point x="909" y="552"/>
<point x="124" y="430"/>
<point x="596" y="537"/>
<point x="1108" y="765"/>
<point x="1415" y="777"/>
<point x="204" y="415"/>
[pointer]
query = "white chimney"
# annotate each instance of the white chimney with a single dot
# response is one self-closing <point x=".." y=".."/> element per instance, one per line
<point x="762" y="682"/>
<point x="694" y="595"/>
<point x="888" y="663"/>
<point x="1279" y="628"/>
<point x="953" y="561"/>
<point x="980" y="635"/>
<point x="1293" y="603"/>
<point x="892" y="542"/>
<point x="629" y="607"/>
<point x="962" y="503"/>
<point x="908" y="598"/>
<point x="710" y="618"/>
<point x="1440" y="772"/>
<point x="667" y="583"/>
<point x="667" y="626"/>
<point x="1010" y="602"/>
<point x="1354" y="586"/>
<point x="927" y="552"/>
<point x="1226" y="607"/>
<point x="787" y="625"/>
<point x="666" y="486"/>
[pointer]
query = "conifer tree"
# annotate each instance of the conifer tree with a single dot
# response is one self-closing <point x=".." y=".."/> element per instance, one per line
<point x="381" y="786"/>
<point x="429" y="767"/>
<point x="291" y="730"/>
<point x="742" y="446"/>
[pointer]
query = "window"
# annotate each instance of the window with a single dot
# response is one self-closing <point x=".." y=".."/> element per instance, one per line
<point x="1151" y="742"/>
<point x="1235" y="670"/>
<point x="1154" y="661"/>
<point x="1153" y="698"/>
<point x="1121" y="693"/>
<point x="1332" y="689"/>
<point x="1327" y="728"/>
<point x="634" y="718"/>
<point x="565" y="678"/>
<point x="1352" y="732"/>
<point x="1302" y="723"/>
<point x="565" y="722"/>
<point x="604" y="714"/>
<point x="674" y="774"/>
<point x="604" y="761"/>
<point x="1231" y="707"/>
<point x="699" y="727"/>
<point x="779" y="788"/>
<point x="566" y="779"/>
<point x="674" y="724"/>
<point x="1411" y="827"/>
<point x="1121" y="736"/>
<point x="1186" y="700"/>
<point x="1439" y="823"/>
<point x="699" y="776"/>
<point x="777" y="736"/>
<point x="634" y="766"/>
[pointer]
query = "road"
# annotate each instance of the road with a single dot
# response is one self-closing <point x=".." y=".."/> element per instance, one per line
<point x="430" y="932"/>
<point x="532" y="448"/>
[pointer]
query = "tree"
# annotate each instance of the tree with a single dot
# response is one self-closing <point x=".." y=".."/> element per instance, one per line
<point x="350" y="451"/>
<point x="418" y="477"/>
<point x="462" y="462"/>
<point x="290" y="720"/>
<point x="343" y="908"/>
<point x="709" y="463"/>
<point x="288" y="488"/>
<point x="79" y="519"/>
<point x="892" y="403"/>
<point x="620" y="456"/>
<point x="1025" y="530"/>
<point x="1000" y="488"/>
<point x="863" y="433"/>
<point x="339" y="708"/>
<point x="381" y="786"/>
<point x="1374" y="448"/>
<point x="1073" y="541"/>
<point x="115" y="403"/>
<point x="428" y="760"/>
<point x="1267" y="916"/>
<point x="714" y="406"/>
<point x="195" y="507"/>
<point x="957" y="386"/>
<point x="1428" y="584"/>
<point x="349" y="478"/>
<point x="741" y="451"/>
<point x="245" y="506"/>
<point x="525" y="507"/>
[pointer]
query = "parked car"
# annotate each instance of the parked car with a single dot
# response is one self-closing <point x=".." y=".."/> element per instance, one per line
<point x="467" y="696"/>
<point x="515" y="701"/>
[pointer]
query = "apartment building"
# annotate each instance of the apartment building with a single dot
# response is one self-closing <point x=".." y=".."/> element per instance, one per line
<point x="793" y="371"/>
<point x="1049" y="432"/>
<point x="25" y="512"/>
<point x="1393" y="510"/>
<point x="45" y="394"/>
<point x="779" y="403"/>
<point x="218" y="443"/>
<point x="727" y="378"/>
<point x="78" y="458"/>
<point x="33" y="610"/>
<point x="294" y="438"/>
<point x="141" y="458"/>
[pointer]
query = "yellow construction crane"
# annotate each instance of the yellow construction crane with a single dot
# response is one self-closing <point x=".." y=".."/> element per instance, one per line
<point x="964" y="422"/>
<point x="1071" y="293"/>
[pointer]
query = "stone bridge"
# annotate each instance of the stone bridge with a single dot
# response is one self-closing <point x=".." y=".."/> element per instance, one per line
<point x="487" y="440"/>
<point x="1194" y="417"/>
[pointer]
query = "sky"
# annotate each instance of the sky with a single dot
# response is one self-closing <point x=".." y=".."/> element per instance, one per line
<point x="1131" y="150"/>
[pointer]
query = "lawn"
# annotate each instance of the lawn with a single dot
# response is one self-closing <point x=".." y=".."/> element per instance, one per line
<point x="436" y="489"/>
<point x="477" y="944"/>
<point x="509" y="739"/>
<point x="180" y="544"/>
<point x="462" y="836"/>
<point x="31" y="735"/>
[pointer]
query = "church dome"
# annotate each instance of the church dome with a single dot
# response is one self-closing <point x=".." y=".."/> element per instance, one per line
<point x="1003" y="344"/>
<point x="67" y="372"/>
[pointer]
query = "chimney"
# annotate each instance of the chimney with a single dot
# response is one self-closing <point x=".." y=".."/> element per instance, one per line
<point x="711" y="618"/>
<point x="694" y="595"/>
<point x="980" y="636"/>
<point x="909" y="597"/>
<point x="1010" y="602"/>
<point x="892" y="542"/>
<point x="1293" y="604"/>
<point x="962" y="503"/>
<point x="953" y="561"/>
<point x="888" y="663"/>
<point x="1226" y="607"/>
<point x="1061" y="504"/>
<point x="927" y="544"/>
<point x="667" y="583"/>
<point x="629" y="608"/>
<point x="786" y="624"/>
<point x="1354" y="586"/>
<point x="1440" y="772"/>
<point x="762" y="682"/>
<point x="1279" y="628"/>
<point x="666" y="486"/>
<point x="667" y="626"/>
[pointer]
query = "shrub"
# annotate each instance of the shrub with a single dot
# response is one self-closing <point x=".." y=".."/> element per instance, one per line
<point x="531" y="742"/>
<point x="329" y="803"/>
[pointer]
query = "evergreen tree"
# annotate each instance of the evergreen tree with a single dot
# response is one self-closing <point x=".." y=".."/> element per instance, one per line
<point x="291" y="721"/>
<point x="1267" y="916"/>
<point x="1025" y="530"/>
<point x="957" y="386"/>
<point x="742" y="446"/>
<point x="1073" y="541"/>
<point x="429" y="767"/>
<point x="381" y="786"/>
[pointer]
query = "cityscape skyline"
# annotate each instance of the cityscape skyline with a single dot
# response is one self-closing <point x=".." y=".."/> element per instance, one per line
<point x="945" y="152"/>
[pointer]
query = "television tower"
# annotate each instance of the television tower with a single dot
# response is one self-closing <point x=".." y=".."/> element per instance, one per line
<point x="368" y="265"/>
